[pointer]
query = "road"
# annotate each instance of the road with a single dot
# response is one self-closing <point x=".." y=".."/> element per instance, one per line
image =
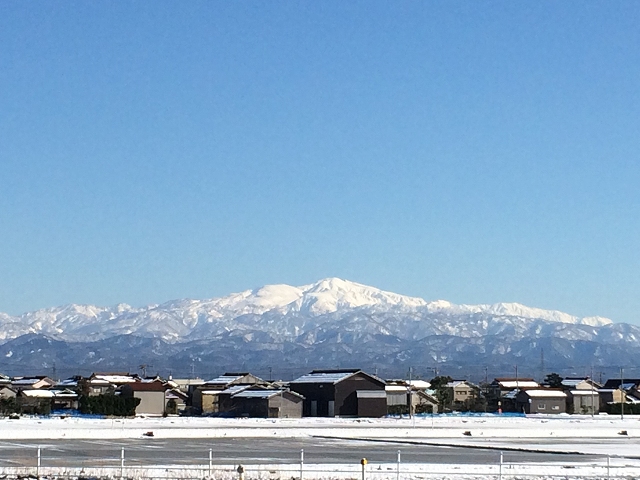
<point x="155" y="451"/>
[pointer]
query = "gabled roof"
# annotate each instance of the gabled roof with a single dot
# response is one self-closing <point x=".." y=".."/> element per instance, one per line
<point x="615" y="382"/>
<point x="176" y="393"/>
<point x="544" y="393"/>
<point x="572" y="382"/>
<point x="265" y="393"/>
<point x="333" y="376"/>
<point x="457" y="383"/>
<point x="231" y="377"/>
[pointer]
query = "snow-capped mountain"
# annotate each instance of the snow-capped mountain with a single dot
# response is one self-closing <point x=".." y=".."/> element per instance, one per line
<point x="181" y="320"/>
<point x="324" y="323"/>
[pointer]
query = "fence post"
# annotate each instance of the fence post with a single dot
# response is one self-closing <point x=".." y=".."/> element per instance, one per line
<point x="210" y="461"/>
<point x="608" y="467"/>
<point x="38" y="464"/>
<point x="500" y="471"/>
<point x="122" y="462"/>
<point x="398" y="467"/>
<point x="301" y="461"/>
<point x="363" y="462"/>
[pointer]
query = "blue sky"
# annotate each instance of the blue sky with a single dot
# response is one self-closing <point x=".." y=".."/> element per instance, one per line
<point x="477" y="152"/>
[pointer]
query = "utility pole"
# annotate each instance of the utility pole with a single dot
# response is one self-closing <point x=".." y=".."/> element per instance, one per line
<point x="593" y="407"/>
<point x="623" y="397"/>
<point x="410" y="393"/>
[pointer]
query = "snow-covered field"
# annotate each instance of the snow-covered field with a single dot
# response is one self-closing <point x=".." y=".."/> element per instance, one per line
<point x="608" y="436"/>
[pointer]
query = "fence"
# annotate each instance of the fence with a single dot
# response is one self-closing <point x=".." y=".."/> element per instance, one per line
<point x="35" y="466"/>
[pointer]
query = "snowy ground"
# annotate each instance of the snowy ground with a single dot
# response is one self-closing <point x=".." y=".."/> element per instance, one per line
<point x="603" y="435"/>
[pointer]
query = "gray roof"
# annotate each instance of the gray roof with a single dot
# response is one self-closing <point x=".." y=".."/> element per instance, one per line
<point x="266" y="393"/>
<point x="321" y="377"/>
<point x="224" y="379"/>
<point x="233" y="389"/>
<point x="258" y="393"/>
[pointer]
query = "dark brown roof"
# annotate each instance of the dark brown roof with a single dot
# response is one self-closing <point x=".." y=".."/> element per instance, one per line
<point x="146" y="387"/>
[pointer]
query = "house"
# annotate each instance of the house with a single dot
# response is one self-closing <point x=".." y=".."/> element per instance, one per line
<point x="502" y="392"/>
<point x="267" y="403"/>
<point x="35" y="401"/>
<point x="342" y="392"/>
<point x="582" y="395"/>
<point x="462" y="392"/>
<point x="32" y="383"/>
<point x="102" y="383"/>
<point x="583" y="401"/>
<point x="152" y="395"/>
<point x="616" y="390"/>
<point x="579" y="383"/>
<point x="541" y="400"/>
<point x="399" y="392"/>
<point x="176" y="401"/>
<point x="401" y="395"/>
<point x="7" y="392"/>
<point x="213" y="396"/>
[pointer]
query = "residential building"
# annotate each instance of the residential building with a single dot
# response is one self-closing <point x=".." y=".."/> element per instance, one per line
<point x="401" y="394"/>
<point x="214" y="396"/>
<point x="462" y="393"/>
<point x="541" y="400"/>
<point x="342" y="392"/>
<point x="267" y="403"/>
<point x="152" y="395"/>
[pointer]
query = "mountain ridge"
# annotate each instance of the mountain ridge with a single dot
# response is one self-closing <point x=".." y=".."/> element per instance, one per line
<point x="177" y="319"/>
<point x="329" y="323"/>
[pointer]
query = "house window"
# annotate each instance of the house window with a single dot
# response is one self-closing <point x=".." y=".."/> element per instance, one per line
<point x="542" y="406"/>
<point x="555" y="407"/>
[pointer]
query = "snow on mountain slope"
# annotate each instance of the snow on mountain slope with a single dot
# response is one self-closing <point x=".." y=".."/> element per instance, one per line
<point x="285" y="312"/>
<point x="518" y="310"/>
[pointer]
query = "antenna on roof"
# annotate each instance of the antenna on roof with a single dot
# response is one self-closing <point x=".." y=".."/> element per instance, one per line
<point x="144" y="367"/>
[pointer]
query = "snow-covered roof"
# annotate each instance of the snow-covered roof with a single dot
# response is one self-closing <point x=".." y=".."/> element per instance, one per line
<point x="66" y="393"/>
<point x="419" y="384"/>
<point x="224" y="379"/>
<point x="545" y="393"/>
<point x="322" y="377"/>
<point x="26" y="381"/>
<point x="584" y="393"/>
<point x="519" y="384"/>
<point x="233" y="389"/>
<point x="456" y="383"/>
<point x="396" y="388"/>
<point x="258" y="393"/>
<point x="38" y="393"/>
<point x="69" y="382"/>
<point x="115" y="378"/>
<point x="572" y="382"/>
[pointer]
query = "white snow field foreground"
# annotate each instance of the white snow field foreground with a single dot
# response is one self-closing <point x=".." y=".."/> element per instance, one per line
<point x="615" y="442"/>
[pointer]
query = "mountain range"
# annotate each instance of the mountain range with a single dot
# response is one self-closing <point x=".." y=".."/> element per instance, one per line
<point x="331" y="323"/>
